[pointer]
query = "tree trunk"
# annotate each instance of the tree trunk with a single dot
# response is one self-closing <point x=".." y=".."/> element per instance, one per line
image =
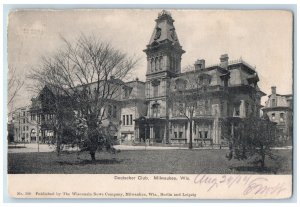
<point x="56" y="134"/>
<point x="191" y="135"/>
<point x="93" y="156"/>
<point x="263" y="161"/>
<point x="92" y="139"/>
<point x="262" y="153"/>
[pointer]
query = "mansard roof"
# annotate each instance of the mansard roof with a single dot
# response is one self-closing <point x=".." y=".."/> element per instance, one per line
<point x="164" y="29"/>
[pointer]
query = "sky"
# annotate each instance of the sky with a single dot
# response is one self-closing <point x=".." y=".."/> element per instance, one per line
<point x="261" y="38"/>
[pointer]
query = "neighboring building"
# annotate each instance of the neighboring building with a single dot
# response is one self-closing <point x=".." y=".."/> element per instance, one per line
<point x="24" y="129"/>
<point x="120" y="111"/>
<point x="279" y="109"/>
<point x="132" y="107"/>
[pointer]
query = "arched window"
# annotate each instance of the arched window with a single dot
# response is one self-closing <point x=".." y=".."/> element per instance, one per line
<point x="156" y="64"/>
<point x="109" y="110"/>
<point x="160" y="63"/>
<point x="156" y="110"/>
<point x="152" y="65"/>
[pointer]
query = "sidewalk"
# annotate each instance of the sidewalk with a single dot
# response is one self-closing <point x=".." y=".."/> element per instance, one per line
<point x="30" y="147"/>
<point x="129" y="147"/>
<point x="33" y="147"/>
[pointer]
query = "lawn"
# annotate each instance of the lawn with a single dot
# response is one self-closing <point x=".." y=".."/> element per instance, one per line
<point x="143" y="162"/>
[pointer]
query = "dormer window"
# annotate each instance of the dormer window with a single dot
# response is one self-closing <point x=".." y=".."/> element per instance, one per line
<point x="273" y="102"/>
<point x="204" y="79"/>
<point x="281" y="117"/>
<point x="180" y="84"/>
<point x="126" y="92"/>
<point x="157" y="33"/>
<point x="273" y="116"/>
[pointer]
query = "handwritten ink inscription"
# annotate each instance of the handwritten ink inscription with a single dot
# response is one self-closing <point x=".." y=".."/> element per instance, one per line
<point x="248" y="184"/>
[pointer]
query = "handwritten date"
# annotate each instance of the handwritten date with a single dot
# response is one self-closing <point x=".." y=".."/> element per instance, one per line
<point x="249" y="184"/>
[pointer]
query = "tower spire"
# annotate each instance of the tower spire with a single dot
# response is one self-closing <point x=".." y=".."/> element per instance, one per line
<point x="164" y="29"/>
<point x="164" y="50"/>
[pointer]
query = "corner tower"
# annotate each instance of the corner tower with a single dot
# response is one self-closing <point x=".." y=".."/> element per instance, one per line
<point x="163" y="62"/>
<point x="164" y="50"/>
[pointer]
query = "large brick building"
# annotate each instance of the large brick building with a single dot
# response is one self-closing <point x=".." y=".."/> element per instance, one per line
<point x="171" y="105"/>
<point x="221" y="94"/>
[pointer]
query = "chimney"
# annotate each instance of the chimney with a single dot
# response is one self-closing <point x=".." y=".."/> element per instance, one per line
<point x="199" y="64"/>
<point x="273" y="89"/>
<point x="224" y="61"/>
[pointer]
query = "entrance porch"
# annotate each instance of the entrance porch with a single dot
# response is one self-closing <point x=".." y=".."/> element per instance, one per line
<point x="151" y="130"/>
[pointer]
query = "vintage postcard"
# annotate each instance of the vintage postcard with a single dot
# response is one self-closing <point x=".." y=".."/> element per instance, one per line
<point x="150" y="103"/>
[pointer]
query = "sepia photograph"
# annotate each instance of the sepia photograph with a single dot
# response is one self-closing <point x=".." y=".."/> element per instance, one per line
<point x="175" y="99"/>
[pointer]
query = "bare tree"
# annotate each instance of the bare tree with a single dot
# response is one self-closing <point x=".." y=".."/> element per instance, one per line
<point x="188" y="91"/>
<point x="89" y="73"/>
<point x="15" y="83"/>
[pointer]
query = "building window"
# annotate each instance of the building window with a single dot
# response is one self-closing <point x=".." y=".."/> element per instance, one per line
<point x="236" y="111"/>
<point x="175" y="135"/>
<point x="126" y="92"/>
<point x="155" y="91"/>
<point x="273" y="103"/>
<point x="115" y="111"/>
<point x="127" y="120"/>
<point x="246" y="109"/>
<point x="27" y="128"/>
<point x="201" y="80"/>
<point x="156" y="64"/>
<point x="109" y="111"/>
<point x="130" y="119"/>
<point x="203" y="134"/>
<point x="160" y="63"/>
<point x="180" y="131"/>
<point x="273" y="116"/>
<point x="222" y="107"/>
<point x="152" y="64"/>
<point x="200" y="108"/>
<point x="124" y="120"/>
<point x="206" y="106"/>
<point x="155" y="110"/>
<point x="281" y="117"/>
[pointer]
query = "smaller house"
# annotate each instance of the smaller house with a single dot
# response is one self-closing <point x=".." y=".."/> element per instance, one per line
<point x="279" y="109"/>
